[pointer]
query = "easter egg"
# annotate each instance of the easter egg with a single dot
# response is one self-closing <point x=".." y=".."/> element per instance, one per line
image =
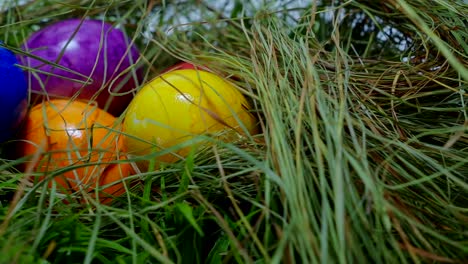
<point x="75" y="143"/>
<point x="96" y="58"/>
<point x="181" y="104"/>
<point x="13" y="94"/>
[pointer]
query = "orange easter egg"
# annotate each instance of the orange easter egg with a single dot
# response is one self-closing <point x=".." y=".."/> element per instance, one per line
<point x="75" y="142"/>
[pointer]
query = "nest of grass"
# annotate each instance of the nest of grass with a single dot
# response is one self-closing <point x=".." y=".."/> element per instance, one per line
<point x="362" y="156"/>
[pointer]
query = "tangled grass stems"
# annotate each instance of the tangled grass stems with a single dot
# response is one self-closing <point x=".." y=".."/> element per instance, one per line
<point x="381" y="122"/>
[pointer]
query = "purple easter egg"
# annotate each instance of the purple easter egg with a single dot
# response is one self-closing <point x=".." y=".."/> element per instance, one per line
<point x="92" y="48"/>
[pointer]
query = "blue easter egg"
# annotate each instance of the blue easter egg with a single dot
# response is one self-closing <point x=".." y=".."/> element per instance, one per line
<point x="13" y="94"/>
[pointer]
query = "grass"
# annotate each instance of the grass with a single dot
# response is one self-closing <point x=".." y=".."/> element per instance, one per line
<point x="362" y="155"/>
